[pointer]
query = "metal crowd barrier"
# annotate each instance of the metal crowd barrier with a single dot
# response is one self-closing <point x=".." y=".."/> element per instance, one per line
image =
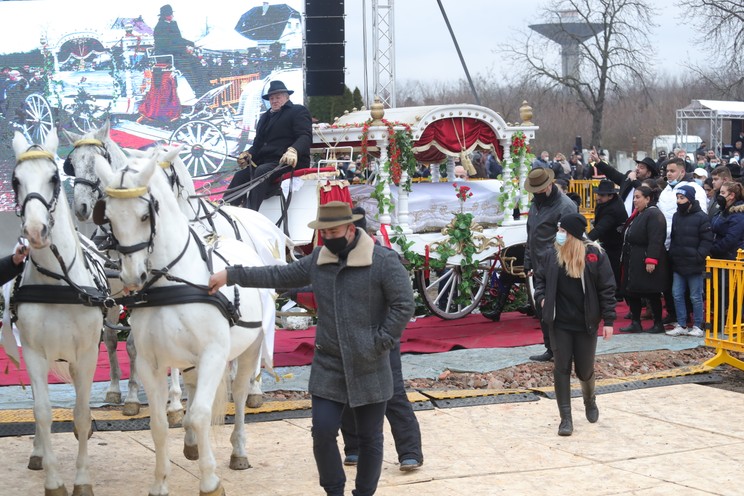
<point x="585" y="189"/>
<point x="724" y="300"/>
<point x="231" y="95"/>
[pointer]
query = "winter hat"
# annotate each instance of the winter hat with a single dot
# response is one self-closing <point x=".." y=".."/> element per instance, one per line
<point x="574" y="224"/>
<point x="686" y="191"/>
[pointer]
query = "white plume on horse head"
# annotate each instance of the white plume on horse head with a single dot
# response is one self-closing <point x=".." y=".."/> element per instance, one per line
<point x="36" y="174"/>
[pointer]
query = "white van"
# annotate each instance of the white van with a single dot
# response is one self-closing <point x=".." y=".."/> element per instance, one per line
<point x="668" y="142"/>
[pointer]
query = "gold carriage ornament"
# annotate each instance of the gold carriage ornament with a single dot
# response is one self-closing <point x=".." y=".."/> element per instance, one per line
<point x="480" y="241"/>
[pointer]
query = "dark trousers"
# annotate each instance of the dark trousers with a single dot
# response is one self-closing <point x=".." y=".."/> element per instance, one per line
<point x="634" y="302"/>
<point x="613" y="255"/>
<point x="544" y="327"/>
<point x="399" y="412"/>
<point x="326" y="423"/>
<point x="260" y="191"/>
<point x="668" y="293"/>
<point x="573" y="348"/>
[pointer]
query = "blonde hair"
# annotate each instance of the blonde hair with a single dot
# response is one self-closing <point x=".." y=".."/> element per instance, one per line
<point x="572" y="255"/>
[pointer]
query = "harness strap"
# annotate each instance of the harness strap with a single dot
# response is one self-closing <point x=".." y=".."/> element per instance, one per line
<point x="184" y="294"/>
<point x="61" y="295"/>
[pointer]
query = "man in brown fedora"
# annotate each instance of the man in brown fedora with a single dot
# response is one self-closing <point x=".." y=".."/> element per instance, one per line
<point x="282" y="143"/>
<point x="353" y="339"/>
<point x="549" y="204"/>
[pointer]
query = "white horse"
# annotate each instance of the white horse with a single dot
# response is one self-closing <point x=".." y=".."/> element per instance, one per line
<point x="161" y="258"/>
<point x="54" y="333"/>
<point x="87" y="190"/>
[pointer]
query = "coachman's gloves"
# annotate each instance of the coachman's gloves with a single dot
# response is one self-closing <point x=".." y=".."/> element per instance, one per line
<point x="244" y="160"/>
<point x="289" y="157"/>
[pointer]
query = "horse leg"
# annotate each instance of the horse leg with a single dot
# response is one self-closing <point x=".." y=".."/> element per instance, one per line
<point x="255" y="395"/>
<point x="247" y="362"/>
<point x="175" y="407"/>
<point x="155" y="382"/>
<point x="132" y="402"/>
<point x="82" y="375"/>
<point x="210" y="374"/>
<point x="110" y="339"/>
<point x="38" y="370"/>
<point x="190" y="447"/>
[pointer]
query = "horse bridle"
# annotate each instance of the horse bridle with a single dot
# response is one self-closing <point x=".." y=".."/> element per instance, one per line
<point x="69" y="167"/>
<point x="36" y="152"/>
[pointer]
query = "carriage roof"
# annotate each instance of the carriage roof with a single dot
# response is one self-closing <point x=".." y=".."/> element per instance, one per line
<point x="437" y="130"/>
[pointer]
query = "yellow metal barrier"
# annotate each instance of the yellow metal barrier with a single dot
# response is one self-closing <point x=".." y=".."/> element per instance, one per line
<point x="231" y="94"/>
<point x="724" y="299"/>
<point x="585" y="189"/>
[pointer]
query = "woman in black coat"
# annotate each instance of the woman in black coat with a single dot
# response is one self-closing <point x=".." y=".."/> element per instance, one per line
<point x="575" y="291"/>
<point x="644" y="263"/>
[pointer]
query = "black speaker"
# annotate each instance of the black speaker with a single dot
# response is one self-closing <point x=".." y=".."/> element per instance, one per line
<point x="324" y="83"/>
<point x="324" y="8"/>
<point x="324" y="30"/>
<point x="324" y="57"/>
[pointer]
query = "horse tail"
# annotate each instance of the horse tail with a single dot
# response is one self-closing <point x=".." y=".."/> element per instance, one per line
<point x="61" y="370"/>
<point x="219" y="406"/>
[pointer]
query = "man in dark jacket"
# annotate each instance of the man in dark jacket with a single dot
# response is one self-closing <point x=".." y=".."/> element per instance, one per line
<point x="629" y="181"/>
<point x="609" y="218"/>
<point x="354" y="336"/>
<point x="691" y="241"/>
<point x="283" y="137"/>
<point x="549" y="204"/>
<point x="167" y="40"/>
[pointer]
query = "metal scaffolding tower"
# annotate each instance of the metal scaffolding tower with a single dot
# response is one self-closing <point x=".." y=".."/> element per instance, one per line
<point x="383" y="63"/>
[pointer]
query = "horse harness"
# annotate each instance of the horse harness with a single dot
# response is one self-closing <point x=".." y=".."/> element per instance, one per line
<point x="69" y="167"/>
<point x="186" y="291"/>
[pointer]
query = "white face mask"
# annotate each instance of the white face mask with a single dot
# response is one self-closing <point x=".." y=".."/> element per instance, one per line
<point x="699" y="181"/>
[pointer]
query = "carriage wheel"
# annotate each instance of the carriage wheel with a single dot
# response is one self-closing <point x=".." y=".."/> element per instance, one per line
<point x="86" y="119"/>
<point x="440" y="291"/>
<point x="38" y="120"/>
<point x="205" y="147"/>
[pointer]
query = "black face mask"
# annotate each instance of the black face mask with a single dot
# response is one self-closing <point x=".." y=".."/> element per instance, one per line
<point x="683" y="207"/>
<point x="721" y="200"/>
<point x="336" y="245"/>
<point x="539" y="197"/>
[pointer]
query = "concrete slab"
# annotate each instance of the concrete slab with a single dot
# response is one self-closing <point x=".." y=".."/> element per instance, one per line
<point x="674" y="440"/>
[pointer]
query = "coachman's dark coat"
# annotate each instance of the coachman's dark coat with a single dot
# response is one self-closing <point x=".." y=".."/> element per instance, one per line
<point x="275" y="133"/>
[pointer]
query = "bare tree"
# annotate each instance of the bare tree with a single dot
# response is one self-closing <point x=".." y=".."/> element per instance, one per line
<point x="721" y="30"/>
<point x="613" y="56"/>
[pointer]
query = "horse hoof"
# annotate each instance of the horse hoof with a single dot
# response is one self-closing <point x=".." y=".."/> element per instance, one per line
<point x="239" y="463"/>
<point x="34" y="463"/>
<point x="175" y="418"/>
<point x="90" y="432"/>
<point x="254" y="401"/>
<point x="191" y="452"/>
<point x="82" y="490"/>
<point x="219" y="491"/>
<point x="113" y="397"/>
<point x="131" y="409"/>
<point x="60" y="491"/>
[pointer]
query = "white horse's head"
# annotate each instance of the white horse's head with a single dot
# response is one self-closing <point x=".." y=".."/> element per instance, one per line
<point x="37" y="187"/>
<point x="81" y="164"/>
<point x="133" y="198"/>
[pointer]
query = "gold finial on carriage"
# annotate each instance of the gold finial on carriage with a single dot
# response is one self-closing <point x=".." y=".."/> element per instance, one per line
<point x="377" y="111"/>
<point x="525" y="113"/>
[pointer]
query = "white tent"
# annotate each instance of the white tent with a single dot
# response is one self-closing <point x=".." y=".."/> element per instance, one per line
<point x="225" y="39"/>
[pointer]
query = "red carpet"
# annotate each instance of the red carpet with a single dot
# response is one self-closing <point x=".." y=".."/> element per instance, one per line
<point x="426" y="335"/>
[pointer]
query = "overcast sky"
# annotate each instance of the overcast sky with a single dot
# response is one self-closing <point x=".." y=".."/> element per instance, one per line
<point x="424" y="49"/>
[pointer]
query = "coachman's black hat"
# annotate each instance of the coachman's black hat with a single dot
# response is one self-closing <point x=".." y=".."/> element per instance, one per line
<point x="276" y="87"/>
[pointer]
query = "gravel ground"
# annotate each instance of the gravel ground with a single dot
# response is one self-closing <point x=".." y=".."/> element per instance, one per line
<point x="536" y="374"/>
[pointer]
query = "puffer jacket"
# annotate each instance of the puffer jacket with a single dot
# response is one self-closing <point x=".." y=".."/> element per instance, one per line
<point x="597" y="280"/>
<point x="691" y="241"/>
<point x="728" y="232"/>
<point x="364" y="303"/>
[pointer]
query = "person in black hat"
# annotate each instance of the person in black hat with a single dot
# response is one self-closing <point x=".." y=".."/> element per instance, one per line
<point x="609" y="218"/>
<point x="549" y="204"/>
<point x="629" y="181"/>
<point x="167" y="40"/>
<point x="283" y="138"/>
<point x="575" y="291"/>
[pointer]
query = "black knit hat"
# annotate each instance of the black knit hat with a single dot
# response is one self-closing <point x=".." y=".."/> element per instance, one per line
<point x="574" y="224"/>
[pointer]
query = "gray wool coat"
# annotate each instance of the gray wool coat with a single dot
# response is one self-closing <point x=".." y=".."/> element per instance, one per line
<point x="364" y="303"/>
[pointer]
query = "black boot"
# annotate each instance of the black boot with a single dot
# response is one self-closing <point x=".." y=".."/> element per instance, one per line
<point x="562" y="384"/>
<point x="590" y="400"/>
<point x="635" y="326"/>
<point x="657" y="328"/>
<point x="495" y="314"/>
